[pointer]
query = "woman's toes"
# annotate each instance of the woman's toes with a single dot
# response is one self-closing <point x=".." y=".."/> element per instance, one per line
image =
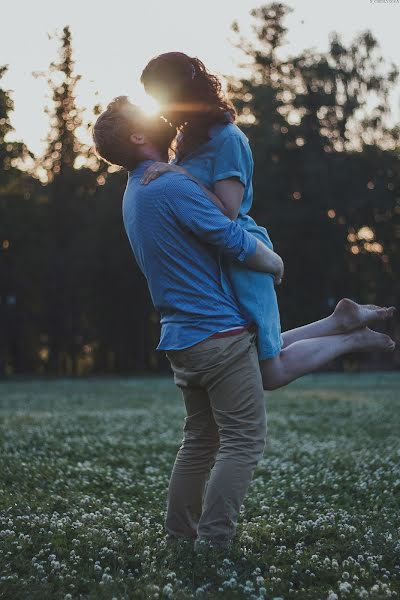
<point x="370" y="340"/>
<point x="391" y="345"/>
<point x="391" y="311"/>
<point x="387" y="343"/>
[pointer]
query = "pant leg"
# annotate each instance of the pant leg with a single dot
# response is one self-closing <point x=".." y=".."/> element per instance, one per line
<point x="237" y="401"/>
<point x="192" y="466"/>
<point x="228" y="370"/>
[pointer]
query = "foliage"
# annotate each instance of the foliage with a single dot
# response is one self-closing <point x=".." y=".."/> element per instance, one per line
<point x="11" y="152"/>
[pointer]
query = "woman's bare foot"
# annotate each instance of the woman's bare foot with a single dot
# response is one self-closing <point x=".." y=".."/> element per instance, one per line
<point x="367" y="340"/>
<point x="350" y="315"/>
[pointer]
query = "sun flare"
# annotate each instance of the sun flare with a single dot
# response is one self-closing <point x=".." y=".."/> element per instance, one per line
<point x="147" y="104"/>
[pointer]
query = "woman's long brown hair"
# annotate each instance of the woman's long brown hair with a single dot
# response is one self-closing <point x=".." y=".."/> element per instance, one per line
<point x="183" y="84"/>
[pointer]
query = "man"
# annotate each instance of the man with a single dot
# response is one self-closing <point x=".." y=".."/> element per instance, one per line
<point x="176" y="232"/>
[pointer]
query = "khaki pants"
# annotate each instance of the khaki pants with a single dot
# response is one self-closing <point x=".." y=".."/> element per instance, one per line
<point x="225" y="432"/>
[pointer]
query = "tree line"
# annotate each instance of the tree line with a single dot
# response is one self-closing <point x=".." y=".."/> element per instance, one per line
<point x="326" y="186"/>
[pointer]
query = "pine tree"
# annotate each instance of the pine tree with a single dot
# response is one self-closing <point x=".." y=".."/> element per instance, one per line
<point x="10" y="151"/>
<point x="70" y="191"/>
<point x="18" y="237"/>
<point x="65" y="117"/>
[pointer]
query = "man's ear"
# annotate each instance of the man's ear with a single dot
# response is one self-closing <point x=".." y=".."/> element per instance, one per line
<point x="138" y="138"/>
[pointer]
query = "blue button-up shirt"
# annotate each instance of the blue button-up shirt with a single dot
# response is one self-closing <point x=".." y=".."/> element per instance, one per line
<point x="176" y="233"/>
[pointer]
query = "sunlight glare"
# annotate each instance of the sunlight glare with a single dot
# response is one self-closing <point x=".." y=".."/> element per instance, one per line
<point x="148" y="105"/>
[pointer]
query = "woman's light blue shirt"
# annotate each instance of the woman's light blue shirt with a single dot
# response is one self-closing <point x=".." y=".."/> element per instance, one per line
<point x="228" y="154"/>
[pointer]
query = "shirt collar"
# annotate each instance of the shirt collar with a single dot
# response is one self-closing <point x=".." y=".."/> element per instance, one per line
<point x="141" y="167"/>
<point x="213" y="131"/>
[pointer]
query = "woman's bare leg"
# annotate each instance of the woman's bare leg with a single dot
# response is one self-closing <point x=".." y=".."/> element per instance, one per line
<point x="347" y="316"/>
<point x="307" y="355"/>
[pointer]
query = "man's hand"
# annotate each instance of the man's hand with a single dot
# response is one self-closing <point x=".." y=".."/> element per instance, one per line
<point x="157" y="169"/>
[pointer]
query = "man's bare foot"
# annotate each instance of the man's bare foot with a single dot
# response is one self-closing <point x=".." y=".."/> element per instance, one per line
<point x="350" y="315"/>
<point x="367" y="340"/>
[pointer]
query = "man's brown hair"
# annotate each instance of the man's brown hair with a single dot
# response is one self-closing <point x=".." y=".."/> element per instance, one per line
<point x="112" y="132"/>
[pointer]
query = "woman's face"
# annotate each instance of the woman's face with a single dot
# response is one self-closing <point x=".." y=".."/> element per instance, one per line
<point x="171" y="106"/>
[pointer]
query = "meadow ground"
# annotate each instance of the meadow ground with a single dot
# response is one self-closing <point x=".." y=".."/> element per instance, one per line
<point x="85" y="466"/>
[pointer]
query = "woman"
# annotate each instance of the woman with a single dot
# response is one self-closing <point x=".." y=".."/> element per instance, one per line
<point x="212" y="150"/>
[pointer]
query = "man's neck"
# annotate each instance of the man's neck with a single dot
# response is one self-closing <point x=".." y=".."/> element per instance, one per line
<point x="152" y="153"/>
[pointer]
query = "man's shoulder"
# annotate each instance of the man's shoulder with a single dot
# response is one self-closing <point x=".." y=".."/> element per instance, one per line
<point x="137" y="195"/>
<point x="177" y="182"/>
<point x="169" y="185"/>
<point x="135" y="188"/>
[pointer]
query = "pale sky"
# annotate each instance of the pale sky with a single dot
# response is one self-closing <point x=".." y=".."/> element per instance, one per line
<point x="114" y="40"/>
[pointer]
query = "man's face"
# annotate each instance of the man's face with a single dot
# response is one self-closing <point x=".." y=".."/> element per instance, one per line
<point x="159" y="132"/>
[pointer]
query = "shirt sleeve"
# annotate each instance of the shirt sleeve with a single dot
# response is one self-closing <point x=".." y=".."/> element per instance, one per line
<point x="195" y="211"/>
<point x="233" y="159"/>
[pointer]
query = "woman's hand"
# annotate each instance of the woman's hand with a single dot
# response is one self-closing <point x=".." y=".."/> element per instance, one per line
<point x="267" y="261"/>
<point x="278" y="273"/>
<point x="157" y="169"/>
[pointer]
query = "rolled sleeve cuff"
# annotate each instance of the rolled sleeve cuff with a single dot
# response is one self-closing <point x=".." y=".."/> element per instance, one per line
<point x="228" y="174"/>
<point x="249" y="246"/>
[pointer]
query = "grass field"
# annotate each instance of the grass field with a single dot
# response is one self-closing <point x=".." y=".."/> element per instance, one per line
<point x="84" y="473"/>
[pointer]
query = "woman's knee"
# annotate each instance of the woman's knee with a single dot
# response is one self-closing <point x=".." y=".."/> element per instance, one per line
<point x="271" y="373"/>
<point x="270" y="384"/>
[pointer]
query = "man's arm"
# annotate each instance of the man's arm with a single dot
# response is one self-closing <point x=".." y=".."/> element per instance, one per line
<point x="194" y="209"/>
<point x="158" y="168"/>
<point x="227" y="195"/>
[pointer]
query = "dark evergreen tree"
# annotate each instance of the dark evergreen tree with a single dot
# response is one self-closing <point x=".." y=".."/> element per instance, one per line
<point x="314" y="183"/>
<point x="11" y="152"/>
<point x="71" y="192"/>
<point x="17" y="236"/>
